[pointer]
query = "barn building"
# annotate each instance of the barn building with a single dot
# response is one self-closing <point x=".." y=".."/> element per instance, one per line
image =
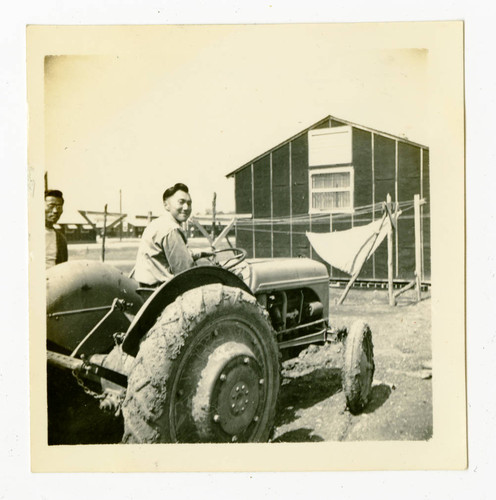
<point x="333" y="176"/>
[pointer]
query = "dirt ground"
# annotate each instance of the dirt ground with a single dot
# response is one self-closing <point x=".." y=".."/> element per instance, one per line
<point x="311" y="404"/>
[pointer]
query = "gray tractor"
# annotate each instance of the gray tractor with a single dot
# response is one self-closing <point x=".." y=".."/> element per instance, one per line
<point x="197" y="359"/>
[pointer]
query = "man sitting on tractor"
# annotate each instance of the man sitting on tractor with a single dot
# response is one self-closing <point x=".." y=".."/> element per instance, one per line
<point x="163" y="250"/>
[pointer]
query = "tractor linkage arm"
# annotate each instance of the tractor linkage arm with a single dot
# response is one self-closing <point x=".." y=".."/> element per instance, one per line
<point x="85" y="368"/>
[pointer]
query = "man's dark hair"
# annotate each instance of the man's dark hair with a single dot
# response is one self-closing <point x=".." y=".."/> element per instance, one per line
<point x="174" y="189"/>
<point x="55" y="193"/>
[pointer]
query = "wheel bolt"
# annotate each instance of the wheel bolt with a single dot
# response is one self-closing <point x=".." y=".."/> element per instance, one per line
<point x="242" y="408"/>
<point x="216" y="418"/>
<point x="223" y="377"/>
<point x="233" y="406"/>
<point x="261" y="381"/>
<point x="234" y="439"/>
<point x="246" y="401"/>
<point x="243" y="387"/>
<point x="255" y="418"/>
<point x="237" y="389"/>
<point x="246" y="361"/>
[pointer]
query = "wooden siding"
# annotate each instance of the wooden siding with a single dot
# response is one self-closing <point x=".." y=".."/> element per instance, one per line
<point x="299" y="198"/>
<point x="280" y="189"/>
<point x="384" y="175"/>
<point x="426" y="221"/>
<point x="243" y="192"/>
<point x="408" y="186"/>
<point x="281" y="200"/>
<point x="362" y="163"/>
<point x="261" y="209"/>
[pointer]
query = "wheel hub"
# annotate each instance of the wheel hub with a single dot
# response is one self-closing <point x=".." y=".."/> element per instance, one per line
<point x="228" y="394"/>
<point x="235" y="399"/>
<point x="238" y="394"/>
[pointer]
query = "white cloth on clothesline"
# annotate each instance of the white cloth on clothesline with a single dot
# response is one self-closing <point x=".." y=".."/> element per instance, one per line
<point x="348" y="250"/>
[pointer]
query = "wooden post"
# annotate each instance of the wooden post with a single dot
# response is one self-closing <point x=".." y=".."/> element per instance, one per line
<point x="104" y="231"/>
<point x="357" y="272"/>
<point x="214" y="214"/>
<point x="202" y="230"/>
<point x="392" y="300"/>
<point x="224" y="234"/>
<point x="418" y="247"/>
<point x="347" y="289"/>
<point x="120" y="214"/>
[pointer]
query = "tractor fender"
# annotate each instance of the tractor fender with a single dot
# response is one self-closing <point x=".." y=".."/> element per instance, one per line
<point x="168" y="292"/>
<point x="79" y="295"/>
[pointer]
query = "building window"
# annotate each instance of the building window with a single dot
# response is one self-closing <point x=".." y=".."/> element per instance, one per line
<point x="331" y="189"/>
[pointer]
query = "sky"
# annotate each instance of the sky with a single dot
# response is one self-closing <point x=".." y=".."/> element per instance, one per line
<point x="191" y="104"/>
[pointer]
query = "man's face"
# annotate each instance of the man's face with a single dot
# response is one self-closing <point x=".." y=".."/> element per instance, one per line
<point x="53" y="210"/>
<point x="179" y="206"/>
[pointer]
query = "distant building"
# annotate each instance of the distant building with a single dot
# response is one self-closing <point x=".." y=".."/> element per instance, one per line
<point x="330" y="170"/>
<point x="137" y="224"/>
<point x="78" y="232"/>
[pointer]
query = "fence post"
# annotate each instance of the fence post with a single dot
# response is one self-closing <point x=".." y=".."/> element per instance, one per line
<point x="104" y="232"/>
<point x="418" y="248"/>
<point x="392" y="300"/>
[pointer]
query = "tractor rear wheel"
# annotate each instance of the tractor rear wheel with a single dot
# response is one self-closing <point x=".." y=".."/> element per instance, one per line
<point x="359" y="367"/>
<point x="207" y="371"/>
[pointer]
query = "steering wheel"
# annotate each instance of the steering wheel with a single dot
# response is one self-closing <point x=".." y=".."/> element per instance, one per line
<point x="239" y="256"/>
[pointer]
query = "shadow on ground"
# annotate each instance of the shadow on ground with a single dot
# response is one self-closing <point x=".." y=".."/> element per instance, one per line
<point x="379" y="394"/>
<point x="75" y="417"/>
<point x="298" y="436"/>
<point x="306" y="391"/>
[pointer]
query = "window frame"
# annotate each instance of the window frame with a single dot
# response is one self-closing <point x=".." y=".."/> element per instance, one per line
<point x="331" y="170"/>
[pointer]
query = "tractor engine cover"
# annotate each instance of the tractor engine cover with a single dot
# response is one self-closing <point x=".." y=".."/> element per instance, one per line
<point x="79" y="295"/>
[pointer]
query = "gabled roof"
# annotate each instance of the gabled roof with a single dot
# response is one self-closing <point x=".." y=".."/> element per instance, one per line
<point x="320" y="122"/>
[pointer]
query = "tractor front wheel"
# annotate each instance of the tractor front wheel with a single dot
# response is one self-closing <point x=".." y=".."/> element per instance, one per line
<point x="358" y="370"/>
<point x="207" y="371"/>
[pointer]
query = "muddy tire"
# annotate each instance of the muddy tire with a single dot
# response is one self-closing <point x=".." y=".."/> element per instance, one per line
<point x="358" y="370"/>
<point x="207" y="371"/>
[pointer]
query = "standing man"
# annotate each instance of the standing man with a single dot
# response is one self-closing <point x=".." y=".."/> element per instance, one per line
<point x="55" y="242"/>
<point x="163" y="250"/>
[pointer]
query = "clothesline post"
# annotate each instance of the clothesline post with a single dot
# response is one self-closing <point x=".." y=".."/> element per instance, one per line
<point x="348" y="286"/>
<point x="392" y="300"/>
<point x="357" y="272"/>
<point x="418" y="248"/>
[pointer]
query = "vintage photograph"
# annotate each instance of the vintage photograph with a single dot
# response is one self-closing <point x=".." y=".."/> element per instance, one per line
<point x="240" y="224"/>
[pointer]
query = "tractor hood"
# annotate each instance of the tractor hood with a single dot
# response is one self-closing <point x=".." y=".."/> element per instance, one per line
<point x="271" y="274"/>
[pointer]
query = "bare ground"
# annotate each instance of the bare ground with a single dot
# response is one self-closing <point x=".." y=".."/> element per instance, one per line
<point x="312" y="404"/>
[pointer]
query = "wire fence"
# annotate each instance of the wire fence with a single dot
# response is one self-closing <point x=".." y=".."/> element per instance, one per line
<point x="357" y="216"/>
